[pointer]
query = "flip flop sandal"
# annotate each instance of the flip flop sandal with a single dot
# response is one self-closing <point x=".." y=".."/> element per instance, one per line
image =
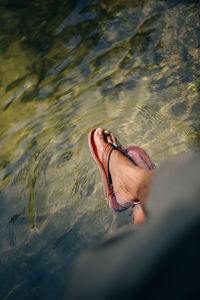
<point x="136" y="154"/>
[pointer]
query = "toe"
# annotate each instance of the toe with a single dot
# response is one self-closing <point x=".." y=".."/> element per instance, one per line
<point x="109" y="140"/>
<point x="108" y="137"/>
<point x="120" y="145"/>
<point x="113" y="139"/>
<point x="106" y="133"/>
<point x="100" y="141"/>
<point x="98" y="135"/>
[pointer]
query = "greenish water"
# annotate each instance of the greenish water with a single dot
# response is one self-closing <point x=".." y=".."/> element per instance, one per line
<point x="66" y="67"/>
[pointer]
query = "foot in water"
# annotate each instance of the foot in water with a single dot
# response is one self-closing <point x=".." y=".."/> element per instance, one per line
<point x="130" y="183"/>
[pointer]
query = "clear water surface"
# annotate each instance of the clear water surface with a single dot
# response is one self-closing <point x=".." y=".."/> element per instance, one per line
<point x="131" y="66"/>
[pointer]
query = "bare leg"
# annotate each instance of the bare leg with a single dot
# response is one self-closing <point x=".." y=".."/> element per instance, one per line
<point x="139" y="216"/>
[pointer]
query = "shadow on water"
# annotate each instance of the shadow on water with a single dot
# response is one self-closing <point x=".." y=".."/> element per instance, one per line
<point x="66" y="67"/>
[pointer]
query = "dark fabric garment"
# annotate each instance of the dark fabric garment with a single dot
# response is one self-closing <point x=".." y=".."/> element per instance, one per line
<point x="156" y="260"/>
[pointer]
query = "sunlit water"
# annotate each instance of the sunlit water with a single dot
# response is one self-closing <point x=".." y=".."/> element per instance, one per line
<point x="66" y="67"/>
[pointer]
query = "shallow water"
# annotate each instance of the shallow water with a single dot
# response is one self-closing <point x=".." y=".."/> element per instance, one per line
<point x="66" y="67"/>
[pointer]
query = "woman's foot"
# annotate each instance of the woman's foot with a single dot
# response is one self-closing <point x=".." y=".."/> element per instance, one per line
<point x="130" y="183"/>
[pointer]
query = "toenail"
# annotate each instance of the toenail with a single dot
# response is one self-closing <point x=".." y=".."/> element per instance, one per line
<point x="99" y="131"/>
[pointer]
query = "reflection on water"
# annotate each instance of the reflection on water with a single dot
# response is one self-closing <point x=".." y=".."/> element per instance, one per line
<point x="66" y="67"/>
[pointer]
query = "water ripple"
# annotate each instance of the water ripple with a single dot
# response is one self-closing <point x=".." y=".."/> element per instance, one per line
<point x="129" y="66"/>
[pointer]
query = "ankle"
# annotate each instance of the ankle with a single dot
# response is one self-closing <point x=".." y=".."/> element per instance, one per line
<point x="132" y="181"/>
<point x="144" y="186"/>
